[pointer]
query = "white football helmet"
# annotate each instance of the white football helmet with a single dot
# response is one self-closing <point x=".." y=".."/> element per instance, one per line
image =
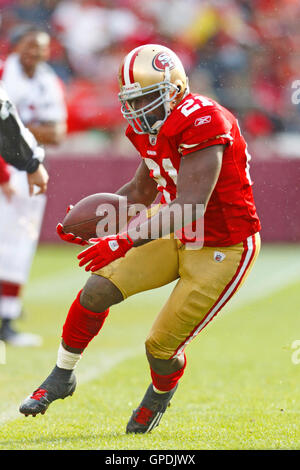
<point x="151" y="69"/>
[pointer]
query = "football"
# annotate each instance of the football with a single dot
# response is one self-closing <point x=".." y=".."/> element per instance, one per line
<point x="96" y="215"/>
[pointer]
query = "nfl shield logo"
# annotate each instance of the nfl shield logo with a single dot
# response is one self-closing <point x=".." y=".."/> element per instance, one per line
<point x="152" y="139"/>
<point x="219" y="256"/>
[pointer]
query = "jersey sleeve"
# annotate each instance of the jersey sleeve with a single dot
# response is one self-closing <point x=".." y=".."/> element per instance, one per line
<point x="208" y="128"/>
<point x="18" y="146"/>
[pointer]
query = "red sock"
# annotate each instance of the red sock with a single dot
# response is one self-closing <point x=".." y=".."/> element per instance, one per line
<point x="10" y="289"/>
<point x="10" y="300"/>
<point x="82" y="325"/>
<point x="165" y="383"/>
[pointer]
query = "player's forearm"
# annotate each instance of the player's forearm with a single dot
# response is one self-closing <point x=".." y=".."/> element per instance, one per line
<point x="198" y="175"/>
<point x="15" y="149"/>
<point x="171" y="218"/>
<point x="127" y="191"/>
<point x="141" y="189"/>
<point x="135" y="196"/>
<point x="18" y="146"/>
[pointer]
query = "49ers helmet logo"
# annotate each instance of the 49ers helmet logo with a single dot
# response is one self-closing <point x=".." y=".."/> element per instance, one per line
<point x="161" y="61"/>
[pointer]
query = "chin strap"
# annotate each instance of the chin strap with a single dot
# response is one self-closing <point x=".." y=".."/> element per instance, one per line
<point x="187" y="90"/>
<point x="156" y="126"/>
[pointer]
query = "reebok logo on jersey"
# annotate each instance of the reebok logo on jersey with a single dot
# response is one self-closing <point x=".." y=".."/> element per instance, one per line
<point x="202" y="120"/>
<point x="113" y="245"/>
<point x="219" y="256"/>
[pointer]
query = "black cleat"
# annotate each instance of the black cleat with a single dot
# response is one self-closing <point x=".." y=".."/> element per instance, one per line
<point x="61" y="383"/>
<point x="149" y="412"/>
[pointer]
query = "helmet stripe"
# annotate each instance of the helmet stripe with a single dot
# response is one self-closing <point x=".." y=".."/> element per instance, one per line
<point x="122" y="75"/>
<point x="128" y="66"/>
<point x="131" y="77"/>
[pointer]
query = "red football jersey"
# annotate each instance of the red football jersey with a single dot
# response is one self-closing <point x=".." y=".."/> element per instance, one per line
<point x="198" y="122"/>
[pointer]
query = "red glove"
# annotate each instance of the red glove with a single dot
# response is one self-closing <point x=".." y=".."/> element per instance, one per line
<point x="69" y="237"/>
<point x="104" y="251"/>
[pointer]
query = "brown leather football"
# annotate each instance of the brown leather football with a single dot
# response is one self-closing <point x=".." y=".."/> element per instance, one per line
<point x="96" y="215"/>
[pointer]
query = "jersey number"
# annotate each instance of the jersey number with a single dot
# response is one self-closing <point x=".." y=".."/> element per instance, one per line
<point x="189" y="106"/>
<point x="160" y="180"/>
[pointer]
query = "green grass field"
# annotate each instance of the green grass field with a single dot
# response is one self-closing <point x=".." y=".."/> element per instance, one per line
<point x="240" y="389"/>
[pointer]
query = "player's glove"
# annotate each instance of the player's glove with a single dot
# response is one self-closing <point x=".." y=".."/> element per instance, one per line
<point x="69" y="237"/>
<point x="105" y="250"/>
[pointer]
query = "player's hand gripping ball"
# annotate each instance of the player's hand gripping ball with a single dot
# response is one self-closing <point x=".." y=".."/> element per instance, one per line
<point x="94" y="216"/>
<point x="69" y="237"/>
<point x="104" y="251"/>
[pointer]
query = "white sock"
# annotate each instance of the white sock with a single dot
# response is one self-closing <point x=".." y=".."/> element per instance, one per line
<point x="66" y="359"/>
<point x="159" y="391"/>
<point x="10" y="307"/>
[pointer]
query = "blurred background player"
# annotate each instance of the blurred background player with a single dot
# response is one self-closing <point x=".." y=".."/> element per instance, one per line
<point x="35" y="90"/>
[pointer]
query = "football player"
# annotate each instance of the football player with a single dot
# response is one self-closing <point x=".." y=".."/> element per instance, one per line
<point x="192" y="153"/>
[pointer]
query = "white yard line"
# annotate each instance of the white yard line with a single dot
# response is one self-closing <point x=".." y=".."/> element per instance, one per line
<point x="101" y="363"/>
<point x="271" y="272"/>
<point x="66" y="281"/>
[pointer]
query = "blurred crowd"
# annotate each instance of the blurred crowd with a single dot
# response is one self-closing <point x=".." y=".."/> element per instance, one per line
<point x="242" y="53"/>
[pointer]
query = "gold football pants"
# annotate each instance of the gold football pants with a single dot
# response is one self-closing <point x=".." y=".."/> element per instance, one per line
<point x="207" y="279"/>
